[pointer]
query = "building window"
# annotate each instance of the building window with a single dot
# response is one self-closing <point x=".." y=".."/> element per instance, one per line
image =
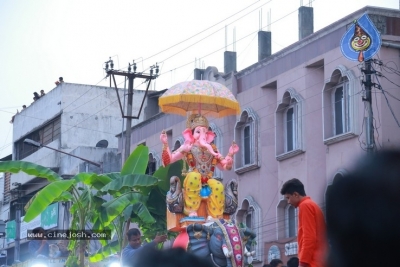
<point x="246" y="145"/>
<point x="153" y="163"/>
<point x="339" y="106"/>
<point x="287" y="220"/>
<point x="249" y="214"/>
<point x="289" y="125"/>
<point x="169" y="138"/>
<point x="177" y="145"/>
<point x="339" y="175"/>
<point x="246" y="134"/>
<point x="48" y="133"/>
<point x="291" y="221"/>
<point x="218" y="174"/>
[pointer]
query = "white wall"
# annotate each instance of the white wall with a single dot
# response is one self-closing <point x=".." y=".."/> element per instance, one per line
<point x="88" y="114"/>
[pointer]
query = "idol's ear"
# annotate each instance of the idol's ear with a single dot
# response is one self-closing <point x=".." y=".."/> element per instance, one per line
<point x="210" y="136"/>
<point x="187" y="134"/>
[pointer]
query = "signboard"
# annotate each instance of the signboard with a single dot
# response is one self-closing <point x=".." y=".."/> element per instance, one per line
<point x="291" y="248"/>
<point x="25" y="226"/>
<point x="273" y="253"/>
<point x="361" y="41"/>
<point x="10" y="231"/>
<point x="47" y="219"/>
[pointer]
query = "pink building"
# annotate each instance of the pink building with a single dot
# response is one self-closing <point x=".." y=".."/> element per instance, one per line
<point x="303" y="116"/>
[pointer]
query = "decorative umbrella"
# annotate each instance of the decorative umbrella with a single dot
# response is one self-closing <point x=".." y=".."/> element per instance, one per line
<point x="199" y="96"/>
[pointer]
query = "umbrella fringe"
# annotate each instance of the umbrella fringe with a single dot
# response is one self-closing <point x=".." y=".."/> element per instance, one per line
<point x="201" y="99"/>
<point x="182" y="112"/>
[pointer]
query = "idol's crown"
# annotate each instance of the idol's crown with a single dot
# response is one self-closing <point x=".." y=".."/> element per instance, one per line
<point x="195" y="120"/>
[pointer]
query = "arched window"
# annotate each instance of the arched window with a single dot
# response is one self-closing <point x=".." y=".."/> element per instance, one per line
<point x="178" y="142"/>
<point x="291" y="221"/>
<point x="340" y="98"/>
<point x="249" y="214"/>
<point x="246" y="134"/>
<point x="153" y="163"/>
<point x="218" y="143"/>
<point x="339" y="106"/>
<point x="287" y="220"/>
<point x="340" y="174"/>
<point x="289" y="125"/>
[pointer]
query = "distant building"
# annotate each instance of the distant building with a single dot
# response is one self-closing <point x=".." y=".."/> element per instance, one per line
<point x="82" y="120"/>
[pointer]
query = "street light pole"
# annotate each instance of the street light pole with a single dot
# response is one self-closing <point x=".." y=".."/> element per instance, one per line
<point x="17" y="223"/>
<point x="37" y="144"/>
<point x="17" y="232"/>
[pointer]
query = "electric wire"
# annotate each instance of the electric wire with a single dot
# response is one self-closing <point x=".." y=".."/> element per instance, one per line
<point x="187" y="39"/>
<point x="388" y="103"/>
<point x="189" y="63"/>
<point x="289" y="82"/>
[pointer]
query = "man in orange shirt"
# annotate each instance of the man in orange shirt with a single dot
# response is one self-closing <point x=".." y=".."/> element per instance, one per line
<point x="311" y="233"/>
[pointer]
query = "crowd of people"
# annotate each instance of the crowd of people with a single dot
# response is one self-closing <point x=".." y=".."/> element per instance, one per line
<point x="360" y="223"/>
<point x="292" y="262"/>
<point x="40" y="247"/>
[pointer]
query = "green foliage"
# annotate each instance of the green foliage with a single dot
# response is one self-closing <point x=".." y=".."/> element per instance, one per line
<point x="116" y="206"/>
<point x="107" y="250"/>
<point x="135" y="197"/>
<point x="72" y="261"/>
<point x="45" y="197"/>
<point x="29" y="168"/>
<point x="137" y="161"/>
<point x="138" y="182"/>
<point x="94" y="180"/>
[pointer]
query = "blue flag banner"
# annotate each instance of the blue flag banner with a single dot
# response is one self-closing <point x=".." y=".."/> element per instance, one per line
<point x="361" y="41"/>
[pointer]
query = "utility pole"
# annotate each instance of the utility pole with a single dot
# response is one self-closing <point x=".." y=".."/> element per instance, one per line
<point x="369" y="120"/>
<point x="128" y="128"/>
<point x="131" y="76"/>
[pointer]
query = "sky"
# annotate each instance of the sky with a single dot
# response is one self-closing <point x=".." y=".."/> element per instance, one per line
<point x="43" y="40"/>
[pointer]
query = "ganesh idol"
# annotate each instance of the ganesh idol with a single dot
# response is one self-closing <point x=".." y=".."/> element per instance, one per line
<point x="201" y="157"/>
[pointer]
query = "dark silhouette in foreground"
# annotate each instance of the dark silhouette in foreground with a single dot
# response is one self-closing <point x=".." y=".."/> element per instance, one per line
<point x="173" y="257"/>
<point x="362" y="212"/>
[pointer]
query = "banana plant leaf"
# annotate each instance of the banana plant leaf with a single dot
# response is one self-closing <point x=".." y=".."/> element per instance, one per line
<point x="156" y="203"/>
<point x="115" y="207"/>
<point x="85" y="199"/>
<point x="92" y="179"/>
<point x="127" y="213"/>
<point x="16" y="166"/>
<point x="105" y="251"/>
<point x="140" y="182"/>
<point x="165" y="173"/>
<point x="65" y="196"/>
<point x="137" y="161"/>
<point x="45" y="197"/>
